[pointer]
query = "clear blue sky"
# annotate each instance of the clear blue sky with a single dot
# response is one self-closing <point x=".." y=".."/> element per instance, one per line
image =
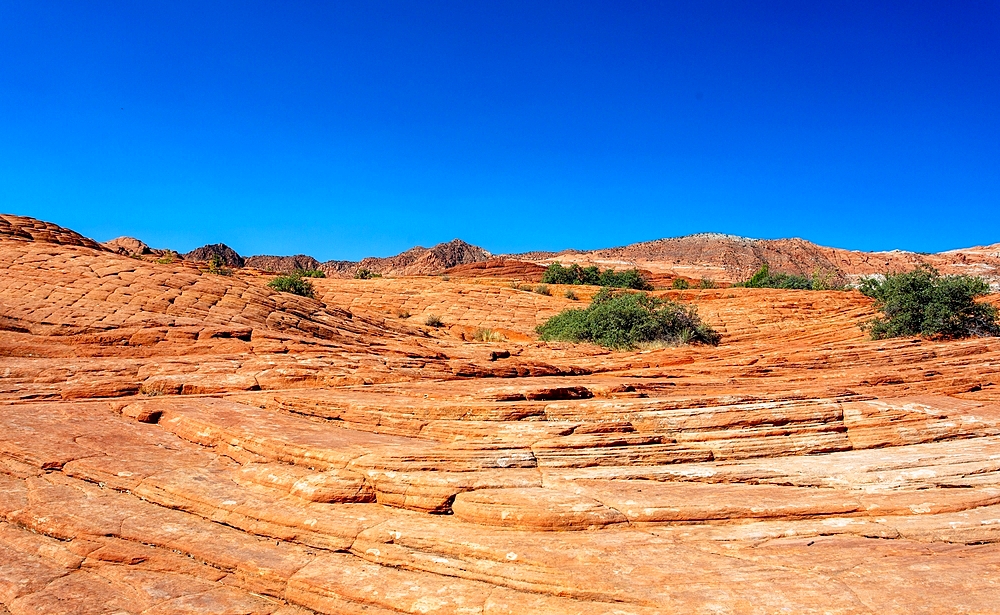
<point x="347" y="129"/>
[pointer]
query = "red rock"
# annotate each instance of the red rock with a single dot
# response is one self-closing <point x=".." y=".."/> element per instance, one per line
<point x="258" y="452"/>
<point x="534" y="508"/>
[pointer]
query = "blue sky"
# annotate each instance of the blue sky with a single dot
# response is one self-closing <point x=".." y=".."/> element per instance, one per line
<point x="345" y="130"/>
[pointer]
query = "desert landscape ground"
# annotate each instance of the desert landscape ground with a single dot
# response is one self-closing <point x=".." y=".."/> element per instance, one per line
<point x="174" y="441"/>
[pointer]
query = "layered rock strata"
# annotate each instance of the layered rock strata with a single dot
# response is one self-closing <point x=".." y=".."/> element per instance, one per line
<point x="173" y="441"/>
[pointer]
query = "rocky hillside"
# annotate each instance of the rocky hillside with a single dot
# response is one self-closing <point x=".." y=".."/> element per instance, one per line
<point x="728" y="258"/>
<point x="228" y="255"/>
<point x="415" y="261"/>
<point x="282" y="264"/>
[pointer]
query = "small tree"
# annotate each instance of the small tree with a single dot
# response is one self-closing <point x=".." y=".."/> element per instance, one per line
<point x="923" y="302"/>
<point x="217" y="266"/>
<point x="680" y="284"/>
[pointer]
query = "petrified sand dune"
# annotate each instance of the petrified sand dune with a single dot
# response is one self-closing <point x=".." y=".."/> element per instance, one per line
<point x="173" y="441"/>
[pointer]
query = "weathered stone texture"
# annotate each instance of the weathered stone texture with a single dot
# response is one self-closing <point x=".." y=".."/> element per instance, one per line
<point x="173" y="441"/>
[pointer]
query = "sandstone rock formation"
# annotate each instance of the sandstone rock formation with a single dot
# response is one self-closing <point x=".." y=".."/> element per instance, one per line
<point x="173" y="441"/>
<point x="228" y="255"/>
<point x="130" y="246"/>
<point x="499" y="268"/>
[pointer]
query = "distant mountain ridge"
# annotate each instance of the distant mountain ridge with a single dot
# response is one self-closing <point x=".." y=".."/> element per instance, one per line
<point x="415" y="261"/>
<point x="722" y="258"/>
<point x="730" y="258"/>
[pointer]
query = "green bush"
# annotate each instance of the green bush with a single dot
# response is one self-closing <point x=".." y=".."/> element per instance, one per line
<point x="292" y="284"/>
<point x="366" y="274"/>
<point x="763" y="278"/>
<point x="168" y="257"/>
<point x="623" y="320"/>
<point x="680" y="284"/>
<point x="820" y="280"/>
<point x="309" y="273"/>
<point x="543" y="289"/>
<point x="706" y="283"/>
<point x="923" y="302"/>
<point x="217" y="266"/>
<point x="575" y="274"/>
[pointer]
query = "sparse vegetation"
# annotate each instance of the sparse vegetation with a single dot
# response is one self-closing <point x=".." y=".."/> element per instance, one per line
<point x="309" y="273"/>
<point x="570" y="295"/>
<point x="826" y="280"/>
<point x="403" y="314"/>
<point x="217" y="266"/>
<point x="366" y="274"/>
<point x="706" y="283"/>
<point x="292" y="284"/>
<point x="433" y="320"/>
<point x="680" y="284"/>
<point x="543" y="289"/>
<point x="820" y="280"/>
<point x="575" y="274"/>
<point x="487" y="335"/>
<point x="520" y="286"/>
<point x="763" y="278"/>
<point x="168" y="257"/>
<point x="623" y="320"/>
<point x="923" y="302"/>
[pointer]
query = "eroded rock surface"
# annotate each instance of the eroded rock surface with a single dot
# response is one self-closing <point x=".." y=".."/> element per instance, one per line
<point x="173" y="441"/>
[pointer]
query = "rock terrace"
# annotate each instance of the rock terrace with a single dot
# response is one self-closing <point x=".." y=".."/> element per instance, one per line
<point x="173" y="441"/>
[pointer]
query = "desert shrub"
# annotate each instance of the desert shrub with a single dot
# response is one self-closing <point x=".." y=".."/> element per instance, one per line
<point x="923" y="302"/>
<point x="575" y="274"/>
<point x="629" y="278"/>
<point x="827" y="280"/>
<point x="402" y="314"/>
<point x="763" y="278"/>
<point x="309" y="273"/>
<point x="366" y="274"/>
<point x="487" y="335"/>
<point x="543" y="289"/>
<point x="433" y="320"/>
<point x="680" y="284"/>
<point x="623" y="320"/>
<point x="168" y="257"/>
<point x="706" y="283"/>
<point x="520" y="286"/>
<point x="570" y="294"/>
<point x="217" y="266"/>
<point x="292" y="284"/>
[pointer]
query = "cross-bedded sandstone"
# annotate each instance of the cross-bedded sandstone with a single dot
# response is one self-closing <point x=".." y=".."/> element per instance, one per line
<point x="173" y="441"/>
